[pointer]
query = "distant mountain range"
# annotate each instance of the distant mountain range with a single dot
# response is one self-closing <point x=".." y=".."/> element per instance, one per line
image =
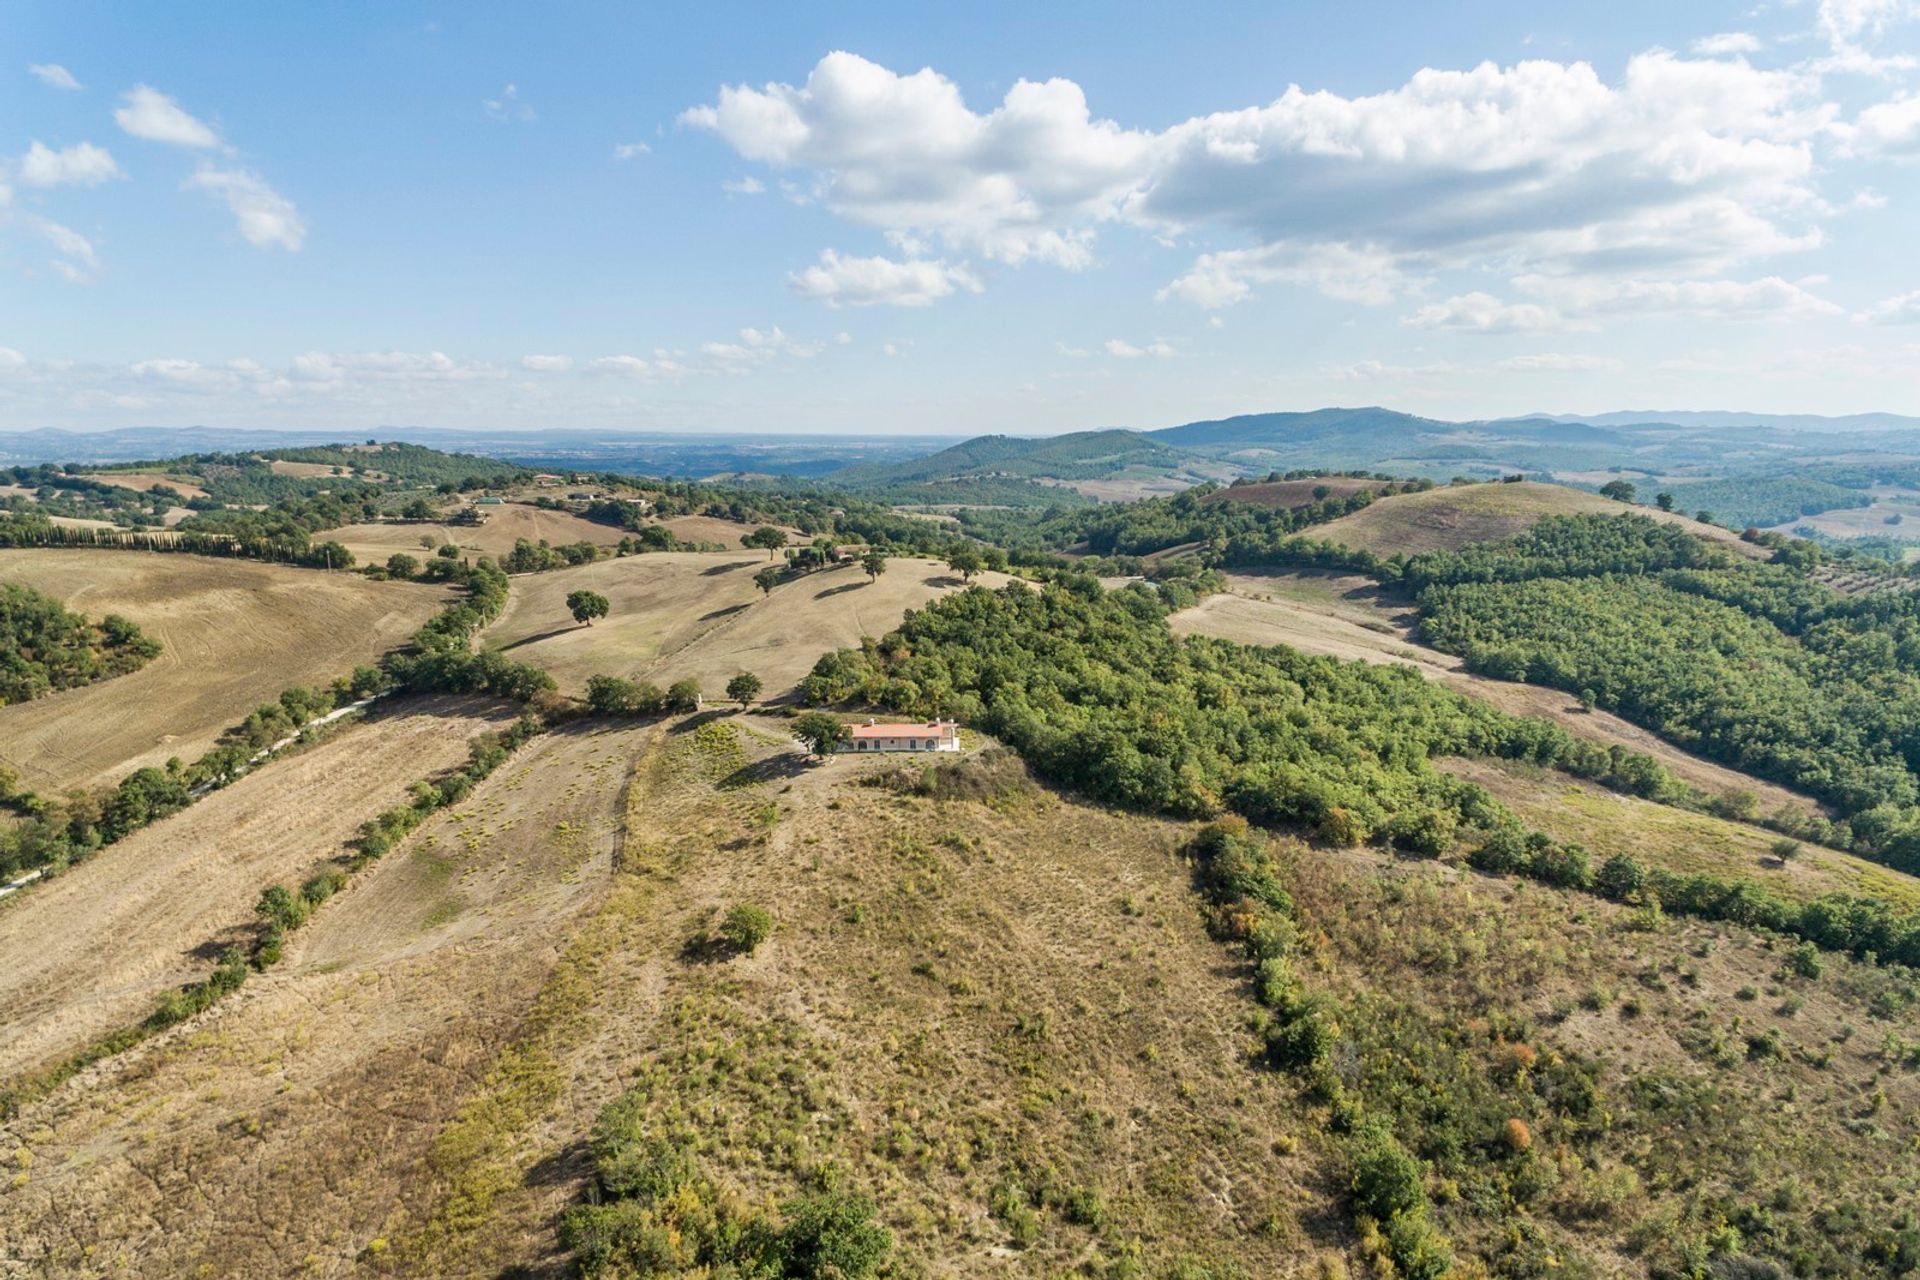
<point x="1118" y="462"/>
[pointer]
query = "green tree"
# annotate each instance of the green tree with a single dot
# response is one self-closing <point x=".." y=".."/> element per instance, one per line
<point x="1663" y="500"/>
<point x="874" y="562"/>
<point x="683" y="695"/>
<point x="402" y="565"/>
<point x="744" y="688"/>
<point x="822" y="733"/>
<point x="585" y="606"/>
<point x="1618" y="490"/>
<point x="832" y="1234"/>
<point x="746" y="927"/>
<point x="767" y="579"/>
<point x="966" y="562"/>
<point x="765" y="537"/>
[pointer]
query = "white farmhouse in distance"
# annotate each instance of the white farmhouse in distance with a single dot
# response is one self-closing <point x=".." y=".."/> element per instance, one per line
<point x="934" y="735"/>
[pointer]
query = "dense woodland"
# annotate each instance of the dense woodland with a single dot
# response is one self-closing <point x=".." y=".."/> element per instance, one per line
<point x="1751" y="664"/>
<point x="44" y="647"/>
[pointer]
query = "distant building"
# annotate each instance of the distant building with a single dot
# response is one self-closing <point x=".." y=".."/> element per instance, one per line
<point x="934" y="735"/>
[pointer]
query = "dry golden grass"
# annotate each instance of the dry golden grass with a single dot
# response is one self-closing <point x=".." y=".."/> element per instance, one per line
<point x="1451" y="517"/>
<point x="697" y="615"/>
<point x="233" y="634"/>
<point x="141" y="482"/>
<point x="275" y="1134"/>
<point x="90" y="950"/>
<point x="1677" y="839"/>
<point x="505" y="524"/>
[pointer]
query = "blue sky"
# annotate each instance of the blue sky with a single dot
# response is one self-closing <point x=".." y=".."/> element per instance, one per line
<point x="878" y="218"/>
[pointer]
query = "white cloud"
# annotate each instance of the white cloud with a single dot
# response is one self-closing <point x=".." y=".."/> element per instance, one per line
<point x="389" y="366"/>
<point x="865" y="282"/>
<point x="148" y="113"/>
<point x="78" y="263"/>
<point x="52" y="73"/>
<point x="1352" y="273"/>
<point x="621" y="366"/>
<point x="1770" y="298"/>
<point x="1077" y="353"/>
<point x="83" y="165"/>
<point x="631" y="150"/>
<point x="1558" y="362"/>
<point x="1850" y="28"/>
<point x="1727" y="44"/>
<point x="1901" y="309"/>
<point x="509" y="106"/>
<point x="1483" y="313"/>
<point x="904" y="153"/>
<point x="1682" y="164"/>
<point x="1889" y="128"/>
<point x="748" y="186"/>
<point x="547" y="364"/>
<point x="1120" y="349"/>
<point x="263" y="215"/>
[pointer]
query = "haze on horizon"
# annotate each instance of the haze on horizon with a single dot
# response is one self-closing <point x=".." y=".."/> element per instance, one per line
<point x="862" y="218"/>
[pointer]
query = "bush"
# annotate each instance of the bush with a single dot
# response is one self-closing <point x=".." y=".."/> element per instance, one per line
<point x="831" y="1237"/>
<point x="746" y="927"/>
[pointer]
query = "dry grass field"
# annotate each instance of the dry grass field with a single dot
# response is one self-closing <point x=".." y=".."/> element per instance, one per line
<point x="1868" y="522"/>
<point x="1348" y="617"/>
<point x="407" y="1092"/>
<point x="233" y="635"/>
<point x="1451" y="517"/>
<point x="726" y="532"/>
<point x="505" y="524"/>
<point x="1607" y="823"/>
<point x="141" y="482"/>
<point x="90" y="950"/>
<point x="679" y="615"/>
<point x="964" y="985"/>
<point x="1291" y="493"/>
<point x="276" y="1134"/>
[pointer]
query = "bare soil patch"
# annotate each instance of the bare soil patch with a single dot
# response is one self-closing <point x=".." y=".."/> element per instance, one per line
<point x="233" y="634"/>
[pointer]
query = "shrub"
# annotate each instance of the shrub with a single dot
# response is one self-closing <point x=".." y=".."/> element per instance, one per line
<point x="746" y="927"/>
<point x="831" y="1236"/>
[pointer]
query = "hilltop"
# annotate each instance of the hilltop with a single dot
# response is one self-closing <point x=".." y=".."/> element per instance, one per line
<point x="1455" y="516"/>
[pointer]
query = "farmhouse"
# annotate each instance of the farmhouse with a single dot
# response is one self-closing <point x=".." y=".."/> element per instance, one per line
<point x="934" y="735"/>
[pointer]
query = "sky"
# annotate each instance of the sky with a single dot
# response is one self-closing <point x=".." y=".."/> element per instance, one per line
<point x="949" y="219"/>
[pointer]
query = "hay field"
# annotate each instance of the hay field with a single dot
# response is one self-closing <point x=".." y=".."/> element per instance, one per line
<point x="233" y="634"/>
<point x="505" y="524"/>
<point x="142" y="481"/>
<point x="337" y="1069"/>
<point x="90" y="950"/>
<point x="679" y="615"/>
<point x="1448" y="518"/>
